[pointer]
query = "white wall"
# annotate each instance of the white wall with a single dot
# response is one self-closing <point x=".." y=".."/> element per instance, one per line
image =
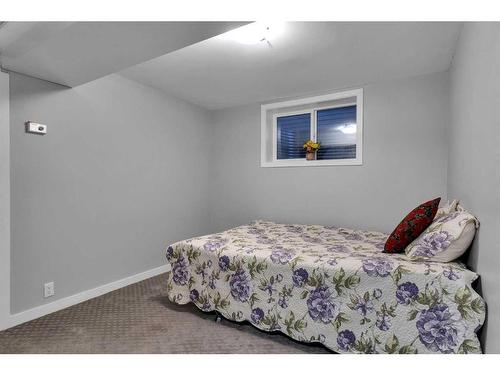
<point x="474" y="155"/>
<point x="121" y="173"/>
<point x="4" y="200"/>
<point x="404" y="163"/>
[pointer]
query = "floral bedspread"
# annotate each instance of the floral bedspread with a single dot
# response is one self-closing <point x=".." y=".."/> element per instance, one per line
<point x="329" y="285"/>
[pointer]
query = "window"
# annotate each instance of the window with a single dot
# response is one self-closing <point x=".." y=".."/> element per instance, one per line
<point x="293" y="132"/>
<point x="335" y="121"/>
<point x="336" y="129"/>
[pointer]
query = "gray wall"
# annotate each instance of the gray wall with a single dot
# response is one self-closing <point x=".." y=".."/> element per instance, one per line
<point x="121" y="173"/>
<point x="474" y="155"/>
<point x="4" y="200"/>
<point x="404" y="163"/>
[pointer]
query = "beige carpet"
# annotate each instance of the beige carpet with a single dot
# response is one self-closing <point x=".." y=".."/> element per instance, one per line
<point x="140" y="319"/>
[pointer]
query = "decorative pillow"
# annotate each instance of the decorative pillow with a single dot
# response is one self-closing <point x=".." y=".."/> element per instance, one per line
<point x="446" y="239"/>
<point x="411" y="226"/>
<point x="447" y="209"/>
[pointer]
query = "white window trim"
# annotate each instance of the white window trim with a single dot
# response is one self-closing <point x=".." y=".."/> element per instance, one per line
<point x="358" y="93"/>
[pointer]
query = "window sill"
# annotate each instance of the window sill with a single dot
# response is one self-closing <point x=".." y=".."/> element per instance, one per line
<point x="310" y="163"/>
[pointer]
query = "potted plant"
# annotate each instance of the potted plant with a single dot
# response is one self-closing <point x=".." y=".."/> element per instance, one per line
<point x="311" y="148"/>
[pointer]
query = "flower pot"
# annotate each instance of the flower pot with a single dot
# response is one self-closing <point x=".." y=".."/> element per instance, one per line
<point x="310" y="155"/>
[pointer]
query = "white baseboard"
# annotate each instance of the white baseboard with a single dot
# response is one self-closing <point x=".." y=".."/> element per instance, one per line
<point x="36" y="312"/>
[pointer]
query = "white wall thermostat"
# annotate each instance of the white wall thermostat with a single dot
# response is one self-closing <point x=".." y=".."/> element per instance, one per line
<point x="35" y="128"/>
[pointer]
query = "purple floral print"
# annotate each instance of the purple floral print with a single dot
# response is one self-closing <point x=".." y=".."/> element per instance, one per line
<point x="281" y="255"/>
<point x="170" y="252"/>
<point x="320" y="305"/>
<point x="211" y="282"/>
<point x="433" y="243"/>
<point x="383" y="321"/>
<point x="264" y="240"/>
<point x="214" y="245"/>
<point x="377" y="293"/>
<point x="257" y="315"/>
<point x="206" y="306"/>
<point x="364" y="307"/>
<point x="194" y="295"/>
<point x="339" y="248"/>
<point x="255" y="231"/>
<point x="451" y="274"/>
<point x="283" y="302"/>
<point x="300" y="277"/>
<point x="346" y="339"/>
<point x="406" y="293"/>
<point x="331" y="227"/>
<point x="311" y="239"/>
<point x="240" y="286"/>
<point x="383" y="307"/>
<point x="332" y="262"/>
<point x="248" y="249"/>
<point x="437" y="329"/>
<point x="224" y="263"/>
<point x="377" y="267"/>
<point x="293" y="228"/>
<point x="180" y="272"/>
<point x="354" y="236"/>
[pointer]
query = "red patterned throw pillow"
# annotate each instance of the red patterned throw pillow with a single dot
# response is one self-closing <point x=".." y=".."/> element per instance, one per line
<point x="411" y="226"/>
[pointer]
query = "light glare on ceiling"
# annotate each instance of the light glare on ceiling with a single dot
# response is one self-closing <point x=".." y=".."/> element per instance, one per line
<point x="254" y="33"/>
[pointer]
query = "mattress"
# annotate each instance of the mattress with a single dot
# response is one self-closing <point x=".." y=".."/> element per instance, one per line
<point x="329" y="285"/>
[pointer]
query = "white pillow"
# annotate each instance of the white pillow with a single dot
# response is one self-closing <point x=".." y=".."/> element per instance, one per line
<point x="447" y="208"/>
<point x="446" y="239"/>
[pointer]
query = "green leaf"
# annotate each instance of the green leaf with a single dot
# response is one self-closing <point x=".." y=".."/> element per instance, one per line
<point x="190" y="282"/>
<point x="467" y="347"/>
<point x="352" y="281"/>
<point x="408" y="349"/>
<point x="398" y="273"/>
<point x="253" y="299"/>
<point x="463" y="295"/>
<point x="364" y="345"/>
<point x="429" y="297"/>
<point x="300" y="325"/>
<point x="224" y="303"/>
<point x="412" y="314"/>
<point x="339" y="276"/>
<point x="267" y="320"/>
<point x="391" y="344"/>
<point x="477" y="305"/>
<point x="464" y="310"/>
<point x="341" y="318"/>
<point x="304" y="294"/>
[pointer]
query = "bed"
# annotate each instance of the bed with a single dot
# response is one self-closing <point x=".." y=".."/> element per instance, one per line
<point x="329" y="285"/>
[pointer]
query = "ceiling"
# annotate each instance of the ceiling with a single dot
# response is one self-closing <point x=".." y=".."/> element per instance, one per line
<point x="73" y="53"/>
<point x="192" y="61"/>
<point x="308" y="57"/>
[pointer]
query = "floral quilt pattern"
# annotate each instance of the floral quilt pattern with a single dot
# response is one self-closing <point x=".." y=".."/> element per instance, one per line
<point x="330" y="285"/>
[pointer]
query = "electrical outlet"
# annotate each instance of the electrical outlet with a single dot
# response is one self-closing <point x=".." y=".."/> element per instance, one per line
<point x="48" y="289"/>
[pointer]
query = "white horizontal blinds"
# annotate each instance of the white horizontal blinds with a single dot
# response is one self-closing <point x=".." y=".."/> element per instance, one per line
<point x="292" y="132"/>
<point x="336" y="132"/>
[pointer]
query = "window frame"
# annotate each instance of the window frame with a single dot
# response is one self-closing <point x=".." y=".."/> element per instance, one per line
<point x="284" y="109"/>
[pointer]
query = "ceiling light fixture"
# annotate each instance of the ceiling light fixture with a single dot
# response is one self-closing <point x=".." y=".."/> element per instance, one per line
<point x="255" y="33"/>
<point x="348" y="128"/>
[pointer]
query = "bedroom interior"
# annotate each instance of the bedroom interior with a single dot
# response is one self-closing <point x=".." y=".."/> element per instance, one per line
<point x="249" y="187"/>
